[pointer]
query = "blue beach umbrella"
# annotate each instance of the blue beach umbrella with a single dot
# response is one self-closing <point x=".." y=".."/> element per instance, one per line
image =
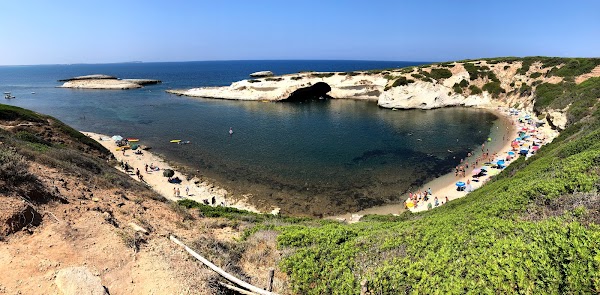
<point x="460" y="183"/>
<point x="500" y="163"/>
<point x="511" y="153"/>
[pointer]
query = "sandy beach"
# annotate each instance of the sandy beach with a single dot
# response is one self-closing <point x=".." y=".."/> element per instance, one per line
<point x="444" y="187"/>
<point x="189" y="188"/>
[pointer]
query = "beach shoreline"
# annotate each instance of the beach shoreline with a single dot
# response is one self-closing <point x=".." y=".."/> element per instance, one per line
<point x="205" y="192"/>
<point x="189" y="187"/>
<point x="445" y="185"/>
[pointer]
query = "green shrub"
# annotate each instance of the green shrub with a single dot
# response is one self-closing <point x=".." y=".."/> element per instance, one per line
<point x="29" y="137"/>
<point x="463" y="83"/>
<point x="535" y="75"/>
<point x="13" y="168"/>
<point x="401" y="81"/>
<point x="11" y="113"/>
<point x="475" y="90"/>
<point x="322" y="75"/>
<point x="417" y="76"/>
<point x="525" y="90"/>
<point x="494" y="88"/>
<point x="439" y="74"/>
<point x="457" y="88"/>
<point x="575" y="67"/>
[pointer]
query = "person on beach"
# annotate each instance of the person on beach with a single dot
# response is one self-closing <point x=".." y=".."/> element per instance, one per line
<point x="429" y="191"/>
<point x="436" y="201"/>
<point x="447" y="199"/>
<point x="146" y="167"/>
<point x="429" y="206"/>
<point x="469" y="188"/>
<point x="178" y="193"/>
<point x="123" y="152"/>
<point x="187" y="190"/>
<point x="174" y="192"/>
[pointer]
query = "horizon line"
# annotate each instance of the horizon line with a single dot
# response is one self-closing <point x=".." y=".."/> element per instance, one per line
<point x="299" y="59"/>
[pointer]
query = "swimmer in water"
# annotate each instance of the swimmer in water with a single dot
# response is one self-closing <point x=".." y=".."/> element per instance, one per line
<point x="230" y="130"/>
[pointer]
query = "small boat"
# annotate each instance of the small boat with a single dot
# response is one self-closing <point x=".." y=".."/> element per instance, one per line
<point x="32" y="92"/>
<point x="133" y="139"/>
<point x="175" y="141"/>
<point x="184" y="142"/>
<point x="7" y="95"/>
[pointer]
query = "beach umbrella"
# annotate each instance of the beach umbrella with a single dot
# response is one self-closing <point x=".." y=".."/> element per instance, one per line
<point x="494" y="172"/>
<point x="134" y="147"/>
<point x="117" y="137"/>
<point x="460" y="183"/>
<point x="511" y="153"/>
<point x="517" y="139"/>
<point x="168" y="173"/>
<point x="476" y="171"/>
<point x="535" y="147"/>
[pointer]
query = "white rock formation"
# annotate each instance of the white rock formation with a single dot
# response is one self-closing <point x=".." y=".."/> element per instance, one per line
<point x="107" y="82"/>
<point x="262" y="74"/>
<point x="425" y="95"/>
<point x="342" y="86"/>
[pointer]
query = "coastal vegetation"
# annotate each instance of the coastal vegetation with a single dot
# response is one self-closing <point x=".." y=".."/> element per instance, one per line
<point x="494" y="89"/>
<point x="533" y="229"/>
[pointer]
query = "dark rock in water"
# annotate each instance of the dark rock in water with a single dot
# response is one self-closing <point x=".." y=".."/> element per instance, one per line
<point x="317" y="91"/>
<point x="143" y="81"/>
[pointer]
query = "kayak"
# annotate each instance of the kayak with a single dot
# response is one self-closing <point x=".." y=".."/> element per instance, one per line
<point x="175" y="140"/>
<point x="133" y="139"/>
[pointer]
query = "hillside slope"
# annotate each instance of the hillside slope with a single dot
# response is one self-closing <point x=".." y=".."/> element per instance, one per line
<point x="66" y="219"/>
<point x="534" y="229"/>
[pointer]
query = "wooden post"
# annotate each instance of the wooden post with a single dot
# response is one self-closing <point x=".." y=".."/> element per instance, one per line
<point x="271" y="275"/>
<point x="220" y="271"/>
<point x="363" y="287"/>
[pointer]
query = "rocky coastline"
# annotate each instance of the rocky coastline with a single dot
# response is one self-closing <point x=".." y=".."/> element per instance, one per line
<point x="476" y="83"/>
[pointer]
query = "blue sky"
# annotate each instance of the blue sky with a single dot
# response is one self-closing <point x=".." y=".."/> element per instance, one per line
<point x="50" y="32"/>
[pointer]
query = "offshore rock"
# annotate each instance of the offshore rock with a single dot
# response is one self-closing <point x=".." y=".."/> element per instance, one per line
<point x="262" y="74"/>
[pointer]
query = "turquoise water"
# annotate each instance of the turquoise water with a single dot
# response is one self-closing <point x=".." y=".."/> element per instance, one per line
<point x="311" y="158"/>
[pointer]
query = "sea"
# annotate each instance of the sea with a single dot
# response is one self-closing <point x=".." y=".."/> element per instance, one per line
<point x="317" y="158"/>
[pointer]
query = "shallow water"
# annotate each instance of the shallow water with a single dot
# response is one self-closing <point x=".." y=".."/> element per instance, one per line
<point x="314" y="158"/>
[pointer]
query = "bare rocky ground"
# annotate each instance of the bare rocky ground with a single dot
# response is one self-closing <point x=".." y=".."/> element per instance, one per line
<point x="66" y="228"/>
